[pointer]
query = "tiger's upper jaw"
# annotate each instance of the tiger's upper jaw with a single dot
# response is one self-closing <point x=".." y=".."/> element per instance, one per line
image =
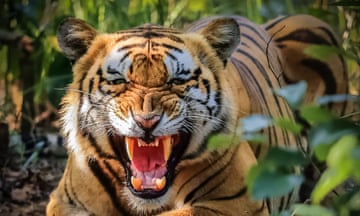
<point x="150" y="164"/>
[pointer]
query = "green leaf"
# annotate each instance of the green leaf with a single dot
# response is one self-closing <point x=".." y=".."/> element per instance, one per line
<point x="255" y="123"/>
<point x="322" y="52"/>
<point x="221" y="141"/>
<point x="311" y="210"/>
<point x="342" y="165"/>
<point x="327" y="133"/>
<point x="330" y="178"/>
<point x="274" y="184"/>
<point x="321" y="152"/>
<point x="323" y="100"/>
<point x="315" y="114"/>
<point x="288" y="125"/>
<point x="284" y="157"/>
<point x="340" y="153"/>
<point x="293" y="94"/>
<point x="254" y="138"/>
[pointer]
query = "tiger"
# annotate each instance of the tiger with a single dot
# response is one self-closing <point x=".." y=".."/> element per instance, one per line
<point x="144" y="103"/>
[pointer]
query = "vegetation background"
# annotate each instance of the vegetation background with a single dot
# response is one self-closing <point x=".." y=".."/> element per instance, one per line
<point x="33" y="72"/>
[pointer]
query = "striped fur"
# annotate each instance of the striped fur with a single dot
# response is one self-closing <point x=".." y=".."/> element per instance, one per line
<point x="136" y="91"/>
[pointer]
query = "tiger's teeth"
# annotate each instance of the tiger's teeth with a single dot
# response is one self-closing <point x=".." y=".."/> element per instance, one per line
<point x="156" y="142"/>
<point x="129" y="143"/>
<point x="167" y="147"/>
<point x="136" y="183"/>
<point x="160" y="183"/>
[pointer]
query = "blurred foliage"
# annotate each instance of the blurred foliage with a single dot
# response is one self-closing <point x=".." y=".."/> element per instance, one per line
<point x="332" y="141"/>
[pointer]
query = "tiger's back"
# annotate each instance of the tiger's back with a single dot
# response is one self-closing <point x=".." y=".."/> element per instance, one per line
<point x="143" y="103"/>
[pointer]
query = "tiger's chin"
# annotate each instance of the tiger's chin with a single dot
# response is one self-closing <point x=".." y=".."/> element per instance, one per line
<point x="150" y="165"/>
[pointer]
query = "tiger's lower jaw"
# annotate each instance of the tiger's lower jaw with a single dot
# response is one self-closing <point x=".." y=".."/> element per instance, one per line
<point x="150" y="167"/>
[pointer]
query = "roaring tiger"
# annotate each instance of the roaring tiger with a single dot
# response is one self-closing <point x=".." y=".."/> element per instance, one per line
<point x="143" y="103"/>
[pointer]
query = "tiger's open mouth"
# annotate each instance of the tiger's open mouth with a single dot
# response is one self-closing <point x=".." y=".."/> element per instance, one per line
<point x="150" y="167"/>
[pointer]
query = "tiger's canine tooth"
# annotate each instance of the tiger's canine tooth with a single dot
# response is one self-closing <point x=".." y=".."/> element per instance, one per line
<point x="129" y="143"/>
<point x="160" y="183"/>
<point x="167" y="147"/>
<point x="156" y="142"/>
<point x="136" y="183"/>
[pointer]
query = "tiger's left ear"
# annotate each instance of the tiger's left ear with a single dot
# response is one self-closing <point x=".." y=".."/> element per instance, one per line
<point x="223" y="35"/>
<point x="75" y="37"/>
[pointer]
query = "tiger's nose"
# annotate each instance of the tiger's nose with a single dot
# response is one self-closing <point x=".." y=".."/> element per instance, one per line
<point x="147" y="122"/>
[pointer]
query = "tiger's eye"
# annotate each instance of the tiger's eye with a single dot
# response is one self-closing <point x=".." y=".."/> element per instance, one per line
<point x="177" y="81"/>
<point x="117" y="81"/>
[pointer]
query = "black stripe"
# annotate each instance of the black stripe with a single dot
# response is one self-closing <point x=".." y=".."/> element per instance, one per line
<point x="107" y="183"/>
<point x="261" y="208"/>
<point x="76" y="198"/>
<point x="323" y="70"/>
<point x="216" y="186"/>
<point x="275" y="22"/>
<point x="112" y="70"/>
<point x="66" y="177"/>
<point x="253" y="29"/>
<point x="200" y="172"/>
<point x="182" y="72"/>
<point x="253" y="41"/>
<point x="330" y="35"/>
<point x="335" y="42"/>
<point x="303" y="35"/>
<point x="152" y="34"/>
<point x="130" y="46"/>
<point x="282" y="201"/>
<point x="258" y="66"/>
<point x="98" y="149"/>
<point x="289" y="196"/>
<point x="287" y="79"/>
<point x="250" y="75"/>
<point x="265" y="75"/>
<point x="115" y="147"/>
<point x="141" y="29"/>
<point x="191" y="195"/>
<point x="81" y="92"/>
<point x="215" y="211"/>
<point x="168" y="46"/>
<point x="125" y="56"/>
<point x="218" y="96"/>
<point x="238" y="194"/>
<point x="268" y="203"/>
<point x="170" y="55"/>
<point x="114" y="173"/>
<point x="91" y="86"/>
<point x="206" y="83"/>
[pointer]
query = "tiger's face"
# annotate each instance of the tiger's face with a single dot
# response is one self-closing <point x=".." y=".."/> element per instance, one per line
<point x="150" y="96"/>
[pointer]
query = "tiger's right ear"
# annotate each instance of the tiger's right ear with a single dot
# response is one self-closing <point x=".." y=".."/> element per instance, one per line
<point x="75" y="37"/>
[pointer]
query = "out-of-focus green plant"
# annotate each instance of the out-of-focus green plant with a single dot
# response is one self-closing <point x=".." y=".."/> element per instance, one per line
<point x="332" y="140"/>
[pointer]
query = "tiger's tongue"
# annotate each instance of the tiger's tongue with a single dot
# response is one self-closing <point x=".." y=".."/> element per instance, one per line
<point x="147" y="156"/>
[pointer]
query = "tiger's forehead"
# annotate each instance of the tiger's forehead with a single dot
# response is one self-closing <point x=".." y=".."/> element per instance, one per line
<point x="151" y="51"/>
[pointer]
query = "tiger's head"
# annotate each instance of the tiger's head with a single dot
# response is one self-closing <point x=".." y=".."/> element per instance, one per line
<point x="150" y="96"/>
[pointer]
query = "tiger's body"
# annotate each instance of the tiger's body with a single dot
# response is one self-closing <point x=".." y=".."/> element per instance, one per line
<point x="143" y="103"/>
